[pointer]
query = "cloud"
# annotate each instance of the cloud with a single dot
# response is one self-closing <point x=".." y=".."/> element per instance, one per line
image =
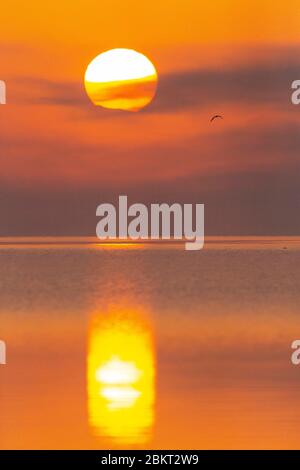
<point x="258" y="84"/>
<point x="40" y="91"/>
<point x="245" y="171"/>
<point x="52" y="161"/>
<point x="260" y="202"/>
<point x="253" y="85"/>
<point x="248" y="180"/>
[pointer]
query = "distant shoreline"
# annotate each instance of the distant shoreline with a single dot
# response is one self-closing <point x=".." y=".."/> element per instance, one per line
<point x="284" y="242"/>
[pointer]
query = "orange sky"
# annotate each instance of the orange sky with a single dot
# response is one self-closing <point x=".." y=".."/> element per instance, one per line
<point x="212" y="57"/>
<point x="150" y="23"/>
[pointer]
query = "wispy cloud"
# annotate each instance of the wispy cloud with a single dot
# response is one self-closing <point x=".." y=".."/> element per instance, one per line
<point x="254" y="85"/>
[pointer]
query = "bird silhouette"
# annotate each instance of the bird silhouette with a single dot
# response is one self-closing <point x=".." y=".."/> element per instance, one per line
<point x="217" y="116"/>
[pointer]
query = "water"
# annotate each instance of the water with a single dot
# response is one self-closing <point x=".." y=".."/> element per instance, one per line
<point x="141" y="346"/>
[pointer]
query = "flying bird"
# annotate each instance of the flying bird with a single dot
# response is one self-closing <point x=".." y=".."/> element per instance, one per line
<point x="217" y="116"/>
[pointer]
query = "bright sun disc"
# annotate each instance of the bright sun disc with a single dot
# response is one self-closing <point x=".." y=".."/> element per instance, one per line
<point x="121" y="79"/>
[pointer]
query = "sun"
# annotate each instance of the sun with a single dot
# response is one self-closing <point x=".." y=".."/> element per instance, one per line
<point x="121" y="79"/>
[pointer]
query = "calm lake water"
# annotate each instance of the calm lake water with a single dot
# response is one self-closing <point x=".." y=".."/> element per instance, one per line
<point x="134" y="346"/>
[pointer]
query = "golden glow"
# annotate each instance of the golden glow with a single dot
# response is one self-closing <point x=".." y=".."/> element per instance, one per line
<point x="121" y="79"/>
<point x="117" y="65"/>
<point x="121" y="374"/>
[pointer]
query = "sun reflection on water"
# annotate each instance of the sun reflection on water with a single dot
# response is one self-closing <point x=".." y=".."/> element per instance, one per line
<point x="121" y="377"/>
